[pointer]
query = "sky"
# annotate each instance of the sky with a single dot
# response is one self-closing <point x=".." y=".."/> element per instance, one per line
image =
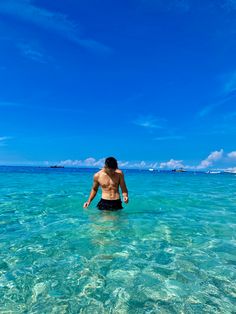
<point x="151" y="82"/>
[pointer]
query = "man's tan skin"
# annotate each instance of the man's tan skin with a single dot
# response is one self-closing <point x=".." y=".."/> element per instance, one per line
<point x="110" y="180"/>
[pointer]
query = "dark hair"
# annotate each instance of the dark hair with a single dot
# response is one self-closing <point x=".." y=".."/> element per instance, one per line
<point x="111" y="163"/>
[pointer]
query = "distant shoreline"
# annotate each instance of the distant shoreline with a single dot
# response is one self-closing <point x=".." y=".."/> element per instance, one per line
<point x="96" y="169"/>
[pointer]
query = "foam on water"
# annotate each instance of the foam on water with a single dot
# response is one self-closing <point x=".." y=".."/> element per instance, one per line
<point x="171" y="250"/>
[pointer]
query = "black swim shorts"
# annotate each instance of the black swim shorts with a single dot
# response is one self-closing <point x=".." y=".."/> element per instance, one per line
<point x="109" y="204"/>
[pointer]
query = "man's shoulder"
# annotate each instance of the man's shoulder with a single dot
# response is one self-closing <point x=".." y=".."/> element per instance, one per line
<point x="120" y="172"/>
<point x="98" y="174"/>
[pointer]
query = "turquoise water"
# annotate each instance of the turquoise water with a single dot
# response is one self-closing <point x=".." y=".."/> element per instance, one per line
<point x="171" y="250"/>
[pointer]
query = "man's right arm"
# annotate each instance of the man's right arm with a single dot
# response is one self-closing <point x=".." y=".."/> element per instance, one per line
<point x="93" y="191"/>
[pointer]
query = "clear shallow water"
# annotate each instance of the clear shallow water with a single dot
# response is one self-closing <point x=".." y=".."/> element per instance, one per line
<point x="171" y="250"/>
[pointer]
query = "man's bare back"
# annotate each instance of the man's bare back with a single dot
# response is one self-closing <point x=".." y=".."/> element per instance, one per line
<point x="109" y="180"/>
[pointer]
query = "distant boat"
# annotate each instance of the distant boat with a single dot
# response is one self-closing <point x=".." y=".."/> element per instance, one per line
<point x="179" y="170"/>
<point x="56" y="166"/>
<point x="213" y="172"/>
<point x="151" y="169"/>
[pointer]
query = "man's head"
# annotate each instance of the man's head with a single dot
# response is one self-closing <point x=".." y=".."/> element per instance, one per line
<point x="111" y="163"/>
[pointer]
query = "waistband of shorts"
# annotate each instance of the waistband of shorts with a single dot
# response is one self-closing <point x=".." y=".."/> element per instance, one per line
<point x="111" y="201"/>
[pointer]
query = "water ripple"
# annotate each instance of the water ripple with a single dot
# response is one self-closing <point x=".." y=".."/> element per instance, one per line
<point x="171" y="250"/>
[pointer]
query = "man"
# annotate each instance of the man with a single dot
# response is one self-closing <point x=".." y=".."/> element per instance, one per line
<point x="110" y="178"/>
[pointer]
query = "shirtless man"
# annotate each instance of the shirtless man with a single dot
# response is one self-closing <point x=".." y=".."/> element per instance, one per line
<point x="110" y="178"/>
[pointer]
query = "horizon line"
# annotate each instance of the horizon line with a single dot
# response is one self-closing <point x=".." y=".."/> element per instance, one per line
<point x="83" y="167"/>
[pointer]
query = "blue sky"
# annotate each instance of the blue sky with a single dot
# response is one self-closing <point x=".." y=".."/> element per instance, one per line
<point x="151" y="82"/>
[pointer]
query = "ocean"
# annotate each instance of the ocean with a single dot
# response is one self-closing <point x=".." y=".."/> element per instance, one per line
<point x="172" y="249"/>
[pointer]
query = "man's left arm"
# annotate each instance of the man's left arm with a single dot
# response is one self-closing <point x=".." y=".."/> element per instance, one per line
<point x="124" y="188"/>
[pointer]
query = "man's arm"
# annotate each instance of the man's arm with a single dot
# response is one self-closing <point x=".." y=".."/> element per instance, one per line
<point x="93" y="191"/>
<point x="123" y="188"/>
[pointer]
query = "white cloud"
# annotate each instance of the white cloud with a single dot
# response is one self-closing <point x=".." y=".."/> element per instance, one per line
<point x="227" y="94"/>
<point x="50" y="21"/>
<point x="141" y="165"/>
<point x="123" y="164"/>
<point x="208" y="109"/>
<point x="231" y="170"/>
<point x="88" y="162"/>
<point x="149" y="122"/>
<point x="98" y="163"/>
<point x="172" y="163"/>
<point x="232" y="155"/>
<point x="30" y="52"/>
<point x="214" y="156"/>
<point x="3" y="140"/>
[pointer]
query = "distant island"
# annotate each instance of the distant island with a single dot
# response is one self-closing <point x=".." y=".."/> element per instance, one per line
<point x="179" y="170"/>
